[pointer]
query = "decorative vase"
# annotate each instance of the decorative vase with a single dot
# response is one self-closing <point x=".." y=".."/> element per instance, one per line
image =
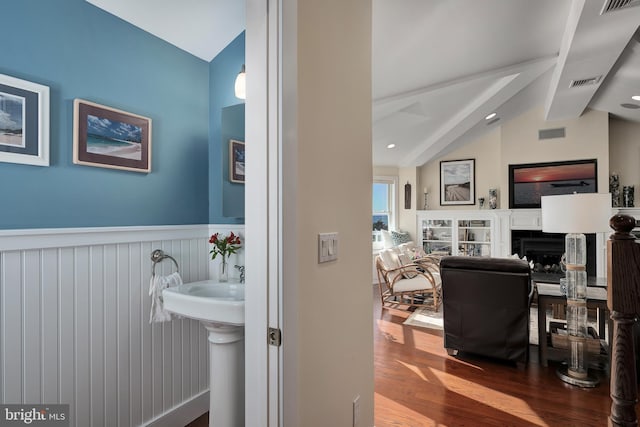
<point x="628" y="196"/>
<point x="223" y="270"/>
<point x="614" y="189"/>
<point x="493" y="198"/>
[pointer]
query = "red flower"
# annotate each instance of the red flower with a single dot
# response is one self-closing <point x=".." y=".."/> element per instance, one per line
<point x="224" y="246"/>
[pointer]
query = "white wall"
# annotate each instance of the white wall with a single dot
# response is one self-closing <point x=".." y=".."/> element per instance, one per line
<point x="587" y="137"/>
<point x="74" y="325"/>
<point x="385" y="171"/>
<point x="486" y="151"/>
<point x="516" y="142"/>
<point x="331" y="346"/>
<point x="624" y="152"/>
<point x="407" y="217"/>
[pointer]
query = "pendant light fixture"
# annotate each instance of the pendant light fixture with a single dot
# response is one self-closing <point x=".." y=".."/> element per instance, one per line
<point x="241" y="84"/>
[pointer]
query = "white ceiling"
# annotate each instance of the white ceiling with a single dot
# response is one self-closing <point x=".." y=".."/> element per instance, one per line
<point x="201" y="27"/>
<point x="440" y="66"/>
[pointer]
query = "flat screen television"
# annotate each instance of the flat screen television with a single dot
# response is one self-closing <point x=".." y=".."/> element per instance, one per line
<point x="529" y="182"/>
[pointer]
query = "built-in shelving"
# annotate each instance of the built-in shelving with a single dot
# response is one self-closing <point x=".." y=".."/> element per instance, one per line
<point x="491" y="230"/>
<point x="470" y="233"/>
<point x="437" y="236"/>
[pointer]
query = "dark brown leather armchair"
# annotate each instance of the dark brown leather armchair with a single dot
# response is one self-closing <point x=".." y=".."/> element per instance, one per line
<point x="486" y="306"/>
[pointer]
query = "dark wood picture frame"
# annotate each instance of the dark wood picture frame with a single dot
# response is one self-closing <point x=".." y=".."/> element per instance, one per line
<point x="528" y="182"/>
<point x="458" y="182"/>
<point x="110" y="138"/>
<point x="236" y="161"/>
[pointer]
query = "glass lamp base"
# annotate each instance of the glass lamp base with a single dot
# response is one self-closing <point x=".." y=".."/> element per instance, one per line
<point x="587" y="382"/>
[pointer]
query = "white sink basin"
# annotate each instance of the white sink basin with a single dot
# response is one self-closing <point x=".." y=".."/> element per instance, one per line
<point x="208" y="301"/>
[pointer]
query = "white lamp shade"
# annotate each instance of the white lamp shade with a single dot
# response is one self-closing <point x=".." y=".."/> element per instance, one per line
<point x="241" y="85"/>
<point x="576" y="213"/>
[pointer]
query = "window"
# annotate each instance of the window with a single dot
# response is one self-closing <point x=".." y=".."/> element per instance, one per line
<point x="384" y="189"/>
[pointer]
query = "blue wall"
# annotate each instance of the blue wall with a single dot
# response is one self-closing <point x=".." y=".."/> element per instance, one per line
<point x="80" y="51"/>
<point x="223" y="71"/>
<point x="232" y="192"/>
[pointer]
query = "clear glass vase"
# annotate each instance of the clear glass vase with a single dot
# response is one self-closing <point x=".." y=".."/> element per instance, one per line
<point x="223" y="270"/>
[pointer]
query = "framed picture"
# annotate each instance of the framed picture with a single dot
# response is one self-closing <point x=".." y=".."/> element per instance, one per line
<point x="110" y="138"/>
<point x="24" y="122"/>
<point x="236" y="161"/>
<point x="457" y="182"/>
<point x="528" y="182"/>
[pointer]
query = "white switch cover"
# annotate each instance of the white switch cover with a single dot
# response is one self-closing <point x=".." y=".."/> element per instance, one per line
<point x="327" y="247"/>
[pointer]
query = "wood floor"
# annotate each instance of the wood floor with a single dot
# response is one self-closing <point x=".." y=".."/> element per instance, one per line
<point x="202" y="421"/>
<point x="418" y="384"/>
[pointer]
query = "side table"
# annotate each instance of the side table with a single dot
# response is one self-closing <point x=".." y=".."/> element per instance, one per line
<point x="549" y="293"/>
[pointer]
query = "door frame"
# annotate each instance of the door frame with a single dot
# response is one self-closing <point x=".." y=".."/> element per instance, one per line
<point x="263" y="217"/>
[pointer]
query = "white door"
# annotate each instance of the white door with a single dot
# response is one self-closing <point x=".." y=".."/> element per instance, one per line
<point x="263" y="361"/>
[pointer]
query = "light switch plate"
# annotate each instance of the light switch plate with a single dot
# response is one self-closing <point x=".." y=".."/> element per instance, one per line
<point x="327" y="247"/>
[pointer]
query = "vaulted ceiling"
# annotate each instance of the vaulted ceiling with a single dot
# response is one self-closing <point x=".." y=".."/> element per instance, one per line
<point x="441" y="66"/>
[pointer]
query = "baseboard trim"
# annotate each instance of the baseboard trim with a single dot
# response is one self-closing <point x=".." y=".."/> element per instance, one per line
<point x="182" y="414"/>
<point x="28" y="239"/>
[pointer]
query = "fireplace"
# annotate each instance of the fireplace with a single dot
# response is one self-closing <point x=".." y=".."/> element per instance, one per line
<point x="546" y="249"/>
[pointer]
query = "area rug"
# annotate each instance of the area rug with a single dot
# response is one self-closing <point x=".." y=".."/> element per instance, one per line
<point x="425" y="318"/>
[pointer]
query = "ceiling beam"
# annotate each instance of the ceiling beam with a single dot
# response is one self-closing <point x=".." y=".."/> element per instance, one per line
<point x="503" y="88"/>
<point x="591" y="45"/>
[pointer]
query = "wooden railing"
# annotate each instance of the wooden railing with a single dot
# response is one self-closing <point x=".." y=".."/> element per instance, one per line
<point x="623" y="301"/>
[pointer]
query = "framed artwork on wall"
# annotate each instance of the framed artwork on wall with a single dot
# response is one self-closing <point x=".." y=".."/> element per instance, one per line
<point x="528" y="182"/>
<point x="24" y="122"/>
<point x="457" y="182"/>
<point x="236" y="161"/>
<point x="110" y="138"/>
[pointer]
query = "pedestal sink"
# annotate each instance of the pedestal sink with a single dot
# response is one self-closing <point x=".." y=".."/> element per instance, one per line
<point x="220" y="308"/>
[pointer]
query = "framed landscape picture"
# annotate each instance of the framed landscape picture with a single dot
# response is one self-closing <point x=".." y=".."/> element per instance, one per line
<point x="528" y="182"/>
<point x="236" y="161"/>
<point x="457" y="182"/>
<point x="24" y="122"/>
<point x="110" y="138"/>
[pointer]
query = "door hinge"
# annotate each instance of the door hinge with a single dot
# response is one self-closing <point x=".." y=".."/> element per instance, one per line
<point x="274" y="336"/>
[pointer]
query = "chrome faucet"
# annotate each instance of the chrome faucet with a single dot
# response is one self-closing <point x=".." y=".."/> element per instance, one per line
<point x="241" y="269"/>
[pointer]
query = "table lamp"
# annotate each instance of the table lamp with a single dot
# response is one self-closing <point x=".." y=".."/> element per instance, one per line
<point x="575" y="214"/>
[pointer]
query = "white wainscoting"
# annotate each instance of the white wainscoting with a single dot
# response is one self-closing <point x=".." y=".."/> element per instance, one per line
<point x="74" y="323"/>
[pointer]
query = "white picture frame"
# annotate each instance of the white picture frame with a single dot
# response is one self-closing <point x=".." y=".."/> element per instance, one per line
<point x="24" y="122"/>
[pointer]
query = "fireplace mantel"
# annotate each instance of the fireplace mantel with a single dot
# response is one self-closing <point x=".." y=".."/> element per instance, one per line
<point x="506" y="220"/>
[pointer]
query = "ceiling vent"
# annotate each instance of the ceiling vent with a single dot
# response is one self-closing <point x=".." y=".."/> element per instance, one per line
<point x="585" y="82"/>
<point x="613" y="5"/>
<point x="551" y="133"/>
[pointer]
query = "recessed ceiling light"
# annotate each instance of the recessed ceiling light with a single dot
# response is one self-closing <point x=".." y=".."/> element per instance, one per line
<point x="636" y="97"/>
<point x="630" y="106"/>
<point x="391" y="146"/>
<point x="491" y="116"/>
